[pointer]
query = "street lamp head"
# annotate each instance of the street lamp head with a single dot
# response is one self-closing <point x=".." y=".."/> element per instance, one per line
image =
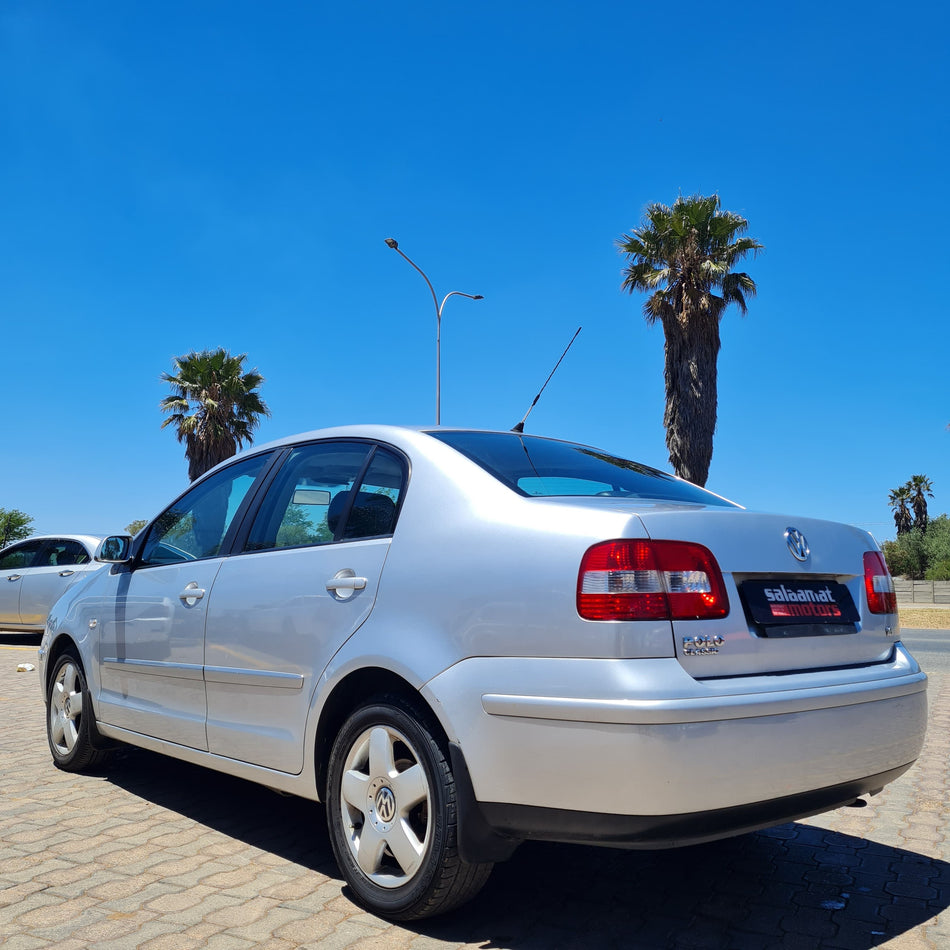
<point x="391" y="242"/>
<point x="478" y="297"/>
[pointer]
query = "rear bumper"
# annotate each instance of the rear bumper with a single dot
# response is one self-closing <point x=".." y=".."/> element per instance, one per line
<point x="636" y="751"/>
<point x="491" y="831"/>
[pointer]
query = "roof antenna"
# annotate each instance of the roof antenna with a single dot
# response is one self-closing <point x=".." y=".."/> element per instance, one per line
<point x="520" y="426"/>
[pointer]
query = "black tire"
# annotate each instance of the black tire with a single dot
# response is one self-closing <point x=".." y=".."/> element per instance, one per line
<point x="392" y="814"/>
<point x="70" y="722"/>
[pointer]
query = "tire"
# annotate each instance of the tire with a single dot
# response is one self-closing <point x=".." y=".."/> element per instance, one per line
<point x="70" y="722"/>
<point x="392" y="815"/>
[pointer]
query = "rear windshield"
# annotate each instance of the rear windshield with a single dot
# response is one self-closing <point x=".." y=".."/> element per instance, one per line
<point x="534" y="466"/>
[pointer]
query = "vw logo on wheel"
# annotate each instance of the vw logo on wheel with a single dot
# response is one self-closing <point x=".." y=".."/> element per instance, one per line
<point x="386" y="804"/>
<point x="797" y="544"/>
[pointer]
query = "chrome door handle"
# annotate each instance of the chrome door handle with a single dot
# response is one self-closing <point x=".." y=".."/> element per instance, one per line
<point x="346" y="583"/>
<point x="191" y="594"/>
<point x="66" y="573"/>
<point x="14" y="577"/>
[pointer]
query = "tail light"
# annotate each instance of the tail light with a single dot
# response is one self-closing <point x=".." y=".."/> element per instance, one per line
<point x="878" y="584"/>
<point x="650" y="580"/>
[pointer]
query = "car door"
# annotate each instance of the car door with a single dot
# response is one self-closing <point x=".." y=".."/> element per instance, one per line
<point x="59" y="565"/>
<point x="15" y="563"/>
<point x="151" y="647"/>
<point x="306" y="580"/>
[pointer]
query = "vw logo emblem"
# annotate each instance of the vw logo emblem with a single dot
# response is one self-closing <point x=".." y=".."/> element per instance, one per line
<point x="386" y="804"/>
<point x="797" y="544"/>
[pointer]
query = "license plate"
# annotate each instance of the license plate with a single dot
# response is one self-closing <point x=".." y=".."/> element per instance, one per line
<point x="799" y="601"/>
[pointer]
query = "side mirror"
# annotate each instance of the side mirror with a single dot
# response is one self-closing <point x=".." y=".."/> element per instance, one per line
<point x="116" y="549"/>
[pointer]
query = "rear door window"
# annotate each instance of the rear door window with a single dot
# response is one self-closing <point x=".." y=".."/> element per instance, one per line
<point x="374" y="508"/>
<point x="329" y="491"/>
<point x="63" y="552"/>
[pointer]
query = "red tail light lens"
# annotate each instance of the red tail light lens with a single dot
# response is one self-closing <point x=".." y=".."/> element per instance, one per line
<point x="878" y="584"/>
<point x="650" y="580"/>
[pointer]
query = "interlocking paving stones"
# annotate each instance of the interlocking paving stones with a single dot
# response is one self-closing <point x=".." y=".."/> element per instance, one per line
<point x="154" y="854"/>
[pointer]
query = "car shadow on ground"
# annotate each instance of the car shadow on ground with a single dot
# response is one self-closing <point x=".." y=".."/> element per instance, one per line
<point x="16" y="638"/>
<point x="791" y="886"/>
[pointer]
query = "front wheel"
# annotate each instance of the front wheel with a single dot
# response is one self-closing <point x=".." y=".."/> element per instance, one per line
<point x="70" y="724"/>
<point x="392" y="814"/>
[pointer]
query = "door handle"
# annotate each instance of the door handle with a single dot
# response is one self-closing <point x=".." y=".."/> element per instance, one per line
<point x="14" y="577"/>
<point x="66" y="573"/>
<point x="346" y="583"/>
<point x="191" y="594"/>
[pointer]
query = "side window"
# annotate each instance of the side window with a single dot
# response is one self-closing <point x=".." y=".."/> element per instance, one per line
<point x="20" y="556"/>
<point x="196" y="525"/>
<point x="63" y="552"/>
<point x="374" y="508"/>
<point x="305" y="501"/>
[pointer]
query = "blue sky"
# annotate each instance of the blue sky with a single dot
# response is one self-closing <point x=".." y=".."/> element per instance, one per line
<point x="181" y="176"/>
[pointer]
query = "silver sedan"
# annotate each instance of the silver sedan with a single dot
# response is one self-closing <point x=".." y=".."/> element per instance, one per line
<point x="36" y="572"/>
<point x="459" y="640"/>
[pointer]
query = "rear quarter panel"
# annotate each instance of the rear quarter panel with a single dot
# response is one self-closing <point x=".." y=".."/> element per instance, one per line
<point x="478" y="570"/>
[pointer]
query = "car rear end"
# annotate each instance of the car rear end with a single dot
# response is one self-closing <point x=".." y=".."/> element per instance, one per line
<point x="642" y="663"/>
<point x="784" y="691"/>
<point x="787" y="633"/>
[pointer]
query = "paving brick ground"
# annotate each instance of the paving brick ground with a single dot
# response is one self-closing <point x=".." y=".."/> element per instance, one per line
<point x="159" y="855"/>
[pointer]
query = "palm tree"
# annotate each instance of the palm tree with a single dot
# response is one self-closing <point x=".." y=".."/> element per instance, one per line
<point x="899" y="499"/>
<point x="214" y="406"/>
<point x="682" y="256"/>
<point x="921" y="488"/>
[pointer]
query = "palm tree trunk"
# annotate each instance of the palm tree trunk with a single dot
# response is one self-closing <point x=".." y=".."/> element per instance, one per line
<point x="691" y="395"/>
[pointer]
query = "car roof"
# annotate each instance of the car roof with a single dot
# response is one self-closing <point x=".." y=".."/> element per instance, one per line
<point x="383" y="433"/>
<point x="360" y="431"/>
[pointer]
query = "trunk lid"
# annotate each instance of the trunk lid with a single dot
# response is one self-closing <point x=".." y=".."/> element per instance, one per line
<point x="812" y="626"/>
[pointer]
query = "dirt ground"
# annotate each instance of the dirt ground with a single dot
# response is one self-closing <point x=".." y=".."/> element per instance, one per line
<point x="924" y="618"/>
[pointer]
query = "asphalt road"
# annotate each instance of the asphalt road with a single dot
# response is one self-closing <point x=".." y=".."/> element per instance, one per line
<point x="931" y="648"/>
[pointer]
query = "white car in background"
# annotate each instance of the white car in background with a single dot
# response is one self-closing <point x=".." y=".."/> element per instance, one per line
<point x="459" y="640"/>
<point x="36" y="572"/>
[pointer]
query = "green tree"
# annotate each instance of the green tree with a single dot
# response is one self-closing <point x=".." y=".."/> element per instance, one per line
<point x="134" y="527"/>
<point x="937" y="544"/>
<point x="919" y="555"/>
<point x="214" y="406"/>
<point x="683" y="257"/>
<point x="899" y="499"/>
<point x="906" y="557"/>
<point x="15" y="525"/>
<point x="921" y="488"/>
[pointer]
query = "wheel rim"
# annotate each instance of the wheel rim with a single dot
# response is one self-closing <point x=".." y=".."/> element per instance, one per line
<point x="386" y="807"/>
<point x="65" y="708"/>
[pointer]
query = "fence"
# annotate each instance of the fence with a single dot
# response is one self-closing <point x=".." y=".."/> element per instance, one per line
<point x="922" y="592"/>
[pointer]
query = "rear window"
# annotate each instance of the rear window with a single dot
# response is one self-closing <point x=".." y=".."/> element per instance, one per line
<point x="545" y="467"/>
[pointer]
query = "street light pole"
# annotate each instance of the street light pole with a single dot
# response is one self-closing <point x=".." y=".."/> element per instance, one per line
<point x="391" y="242"/>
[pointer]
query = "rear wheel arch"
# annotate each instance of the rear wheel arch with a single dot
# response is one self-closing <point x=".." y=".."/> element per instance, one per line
<point x="393" y="812"/>
<point x="355" y="690"/>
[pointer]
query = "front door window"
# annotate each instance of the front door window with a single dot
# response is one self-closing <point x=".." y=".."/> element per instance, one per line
<point x="195" y="526"/>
